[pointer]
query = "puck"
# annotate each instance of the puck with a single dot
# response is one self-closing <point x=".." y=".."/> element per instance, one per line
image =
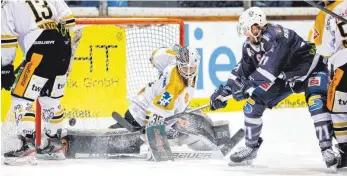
<point x="72" y="122"/>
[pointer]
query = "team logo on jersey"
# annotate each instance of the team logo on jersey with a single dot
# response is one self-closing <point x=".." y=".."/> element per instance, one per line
<point x="315" y="103"/>
<point x="165" y="99"/>
<point x="266" y="86"/>
<point x="258" y="56"/>
<point x="249" y="52"/>
<point x="315" y="34"/>
<point x="314" y="81"/>
<point x="248" y="106"/>
<point x="278" y="30"/>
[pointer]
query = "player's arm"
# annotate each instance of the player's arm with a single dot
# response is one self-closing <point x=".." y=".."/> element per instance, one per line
<point x="162" y="58"/>
<point x="9" y="38"/>
<point x="64" y="13"/>
<point x="323" y="35"/>
<point x="266" y="72"/>
<point x="239" y="73"/>
<point x="271" y="64"/>
<point x="9" y="43"/>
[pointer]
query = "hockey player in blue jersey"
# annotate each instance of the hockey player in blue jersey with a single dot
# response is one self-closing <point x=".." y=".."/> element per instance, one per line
<point x="275" y="63"/>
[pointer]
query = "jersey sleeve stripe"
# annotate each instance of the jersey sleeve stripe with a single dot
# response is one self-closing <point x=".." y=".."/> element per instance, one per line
<point x="9" y="45"/>
<point x="266" y="74"/>
<point x="8" y="41"/>
<point x="8" y="37"/>
<point x="69" y="20"/>
<point x="68" y="17"/>
<point x="70" y="23"/>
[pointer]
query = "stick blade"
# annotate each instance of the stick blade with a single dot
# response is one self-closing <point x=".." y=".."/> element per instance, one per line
<point x="158" y="143"/>
<point x="233" y="141"/>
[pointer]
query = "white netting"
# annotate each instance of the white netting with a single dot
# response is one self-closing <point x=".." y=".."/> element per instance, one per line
<point x="141" y="42"/>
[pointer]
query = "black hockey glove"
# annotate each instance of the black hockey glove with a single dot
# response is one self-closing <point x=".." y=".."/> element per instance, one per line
<point x="217" y="103"/>
<point x="7" y="76"/>
<point x="238" y="89"/>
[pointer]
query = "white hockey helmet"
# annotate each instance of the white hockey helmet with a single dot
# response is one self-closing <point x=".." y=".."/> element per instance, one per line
<point x="248" y="18"/>
<point x="188" y="60"/>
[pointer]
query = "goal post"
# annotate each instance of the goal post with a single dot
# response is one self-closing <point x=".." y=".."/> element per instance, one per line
<point x="142" y="37"/>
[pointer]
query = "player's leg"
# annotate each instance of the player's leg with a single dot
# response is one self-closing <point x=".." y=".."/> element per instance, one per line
<point x="53" y="112"/>
<point x="25" y="90"/>
<point x="262" y="97"/>
<point x="316" y="97"/>
<point x="25" y="121"/>
<point x="337" y="104"/>
<point x="52" y="146"/>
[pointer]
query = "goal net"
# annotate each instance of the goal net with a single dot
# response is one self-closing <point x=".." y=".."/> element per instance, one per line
<point x="111" y="64"/>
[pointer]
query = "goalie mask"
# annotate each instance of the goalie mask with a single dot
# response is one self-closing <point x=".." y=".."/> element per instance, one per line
<point x="188" y="60"/>
<point x="176" y="48"/>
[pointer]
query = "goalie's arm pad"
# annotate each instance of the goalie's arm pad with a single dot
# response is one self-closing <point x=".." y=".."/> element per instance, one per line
<point x="162" y="58"/>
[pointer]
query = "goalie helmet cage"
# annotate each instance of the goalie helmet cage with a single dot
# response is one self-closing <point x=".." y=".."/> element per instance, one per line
<point x="173" y="28"/>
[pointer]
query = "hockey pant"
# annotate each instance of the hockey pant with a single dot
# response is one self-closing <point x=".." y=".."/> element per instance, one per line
<point x="42" y="77"/>
<point x="315" y="88"/>
<point x="337" y="95"/>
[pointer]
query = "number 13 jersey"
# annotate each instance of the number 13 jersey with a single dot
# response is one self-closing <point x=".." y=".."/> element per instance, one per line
<point x="24" y="20"/>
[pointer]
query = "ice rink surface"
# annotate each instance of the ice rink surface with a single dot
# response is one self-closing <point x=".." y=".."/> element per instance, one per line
<point x="290" y="148"/>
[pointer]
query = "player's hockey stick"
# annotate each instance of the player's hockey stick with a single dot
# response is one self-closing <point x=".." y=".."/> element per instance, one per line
<point x="232" y="142"/>
<point x="326" y="10"/>
<point x="193" y="110"/>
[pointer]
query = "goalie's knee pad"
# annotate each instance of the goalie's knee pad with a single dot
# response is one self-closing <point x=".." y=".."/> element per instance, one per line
<point x="24" y="115"/>
<point x="53" y="115"/>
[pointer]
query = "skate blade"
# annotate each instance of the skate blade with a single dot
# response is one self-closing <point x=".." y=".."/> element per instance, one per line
<point x="16" y="161"/>
<point x="243" y="163"/>
<point x="53" y="156"/>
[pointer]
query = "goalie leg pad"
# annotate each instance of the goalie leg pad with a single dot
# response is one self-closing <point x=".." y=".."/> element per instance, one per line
<point x="199" y="132"/>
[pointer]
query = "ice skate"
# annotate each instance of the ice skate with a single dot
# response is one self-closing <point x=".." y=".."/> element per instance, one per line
<point x="245" y="155"/>
<point x="331" y="159"/>
<point x="343" y="153"/>
<point x="54" y="149"/>
<point x="25" y="155"/>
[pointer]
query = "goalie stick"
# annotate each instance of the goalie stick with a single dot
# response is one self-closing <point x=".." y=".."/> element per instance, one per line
<point x="116" y="116"/>
<point x="124" y="123"/>
<point x="326" y="10"/>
